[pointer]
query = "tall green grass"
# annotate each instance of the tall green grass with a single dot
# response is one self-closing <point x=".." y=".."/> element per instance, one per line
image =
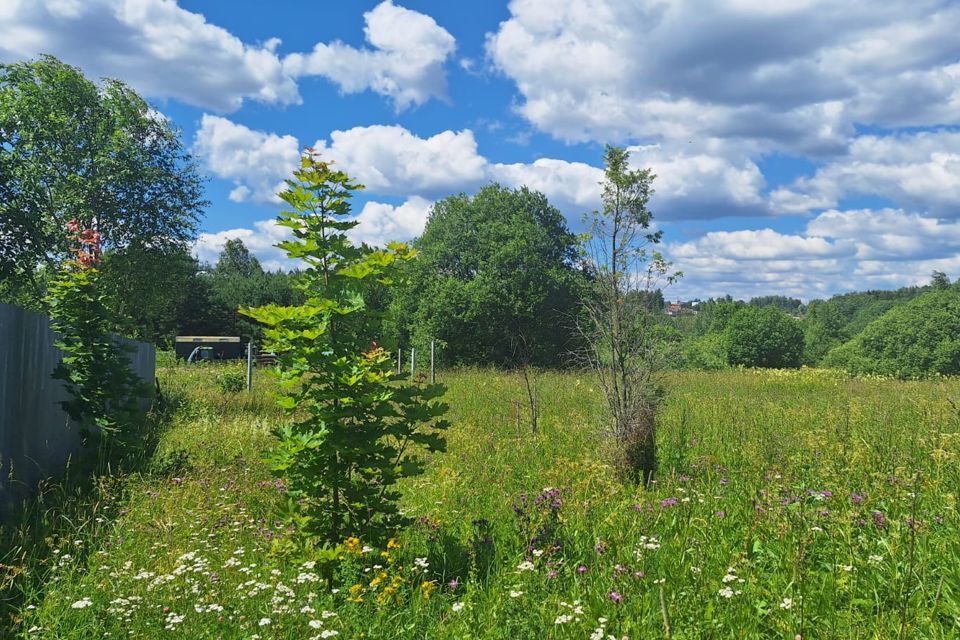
<point x="787" y="503"/>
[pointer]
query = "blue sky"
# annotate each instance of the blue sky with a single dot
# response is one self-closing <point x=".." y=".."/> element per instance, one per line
<point x="802" y="147"/>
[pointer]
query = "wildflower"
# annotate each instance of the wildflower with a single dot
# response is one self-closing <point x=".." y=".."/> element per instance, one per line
<point x="516" y="594"/>
<point x="83" y="603"/>
<point x="597" y="634"/>
<point x="668" y="502"/>
<point x="582" y="569"/>
<point x="427" y="589"/>
<point x="720" y="515"/>
<point x="352" y="545"/>
<point x="457" y="606"/>
<point x="551" y="574"/>
<point x="328" y="614"/>
<point x="726" y="592"/>
<point x="615" y="597"/>
<point x="329" y="633"/>
<point x="453" y="585"/>
<point x="526" y="565"/>
<point x="787" y="603"/>
<point x="856" y="498"/>
<point x="265" y="622"/>
<point x="355" y="593"/>
<point x="563" y="619"/>
<point x="879" y="520"/>
<point x="421" y="563"/>
<point x="315" y="624"/>
<point x="874" y="559"/>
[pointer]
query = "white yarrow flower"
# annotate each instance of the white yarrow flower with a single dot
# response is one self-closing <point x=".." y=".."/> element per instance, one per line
<point x="82" y="603"/>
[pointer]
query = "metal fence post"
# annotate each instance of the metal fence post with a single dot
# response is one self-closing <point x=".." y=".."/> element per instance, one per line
<point x="433" y="371"/>
<point x="413" y="361"/>
<point x="399" y="360"/>
<point x="249" y="366"/>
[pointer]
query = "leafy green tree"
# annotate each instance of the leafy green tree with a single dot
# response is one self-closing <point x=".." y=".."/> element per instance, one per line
<point x="149" y="289"/>
<point x="763" y="337"/>
<point x="623" y="337"/>
<point x="70" y="149"/>
<point x="939" y="280"/>
<point x="236" y="260"/>
<point x="785" y="304"/>
<point x="354" y="428"/>
<point x="239" y="281"/>
<point x="822" y="331"/>
<point x="496" y="281"/>
<point x="916" y="339"/>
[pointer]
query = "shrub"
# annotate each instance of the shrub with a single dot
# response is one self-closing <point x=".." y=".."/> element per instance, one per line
<point x="232" y="380"/>
<point x="764" y="337"/>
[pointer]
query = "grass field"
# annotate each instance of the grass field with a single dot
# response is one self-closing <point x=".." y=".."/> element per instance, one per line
<point x="787" y="504"/>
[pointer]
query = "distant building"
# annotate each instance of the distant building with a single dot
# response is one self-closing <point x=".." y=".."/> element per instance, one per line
<point x="674" y="308"/>
<point x="210" y="347"/>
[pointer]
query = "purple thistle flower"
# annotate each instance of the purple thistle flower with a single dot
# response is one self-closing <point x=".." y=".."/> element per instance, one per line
<point x="615" y="597"/>
<point x="879" y="520"/>
<point x="638" y="574"/>
<point x="582" y="569"/>
<point x="668" y="502"/>
<point x="453" y="584"/>
<point x="856" y="498"/>
<point x="720" y="514"/>
<point x="551" y="574"/>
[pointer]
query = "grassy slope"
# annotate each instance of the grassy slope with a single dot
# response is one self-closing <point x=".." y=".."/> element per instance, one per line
<point x="745" y="456"/>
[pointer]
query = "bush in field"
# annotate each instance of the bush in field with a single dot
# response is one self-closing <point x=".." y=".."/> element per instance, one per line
<point x="353" y="428"/>
<point x="916" y="339"/>
<point x="232" y="380"/>
<point x="764" y="337"/>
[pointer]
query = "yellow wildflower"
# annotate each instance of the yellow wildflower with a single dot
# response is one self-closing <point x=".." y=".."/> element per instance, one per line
<point x="427" y="588"/>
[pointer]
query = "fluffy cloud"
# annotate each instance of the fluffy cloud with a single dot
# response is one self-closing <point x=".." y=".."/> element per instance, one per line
<point x="916" y="170"/>
<point x="156" y="46"/>
<point x="165" y="51"/>
<point x="784" y="75"/>
<point x="391" y="160"/>
<point x="839" y="251"/>
<point x="379" y="223"/>
<point x="406" y="64"/>
<point x="256" y="162"/>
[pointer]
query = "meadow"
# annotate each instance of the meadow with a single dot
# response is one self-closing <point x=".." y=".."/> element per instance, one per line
<point x="787" y="504"/>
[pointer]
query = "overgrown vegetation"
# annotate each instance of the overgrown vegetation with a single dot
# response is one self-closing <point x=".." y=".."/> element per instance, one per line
<point x="786" y="502"/>
<point x="105" y="393"/>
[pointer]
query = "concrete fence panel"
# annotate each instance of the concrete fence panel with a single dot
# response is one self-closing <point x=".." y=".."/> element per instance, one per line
<point x="37" y="439"/>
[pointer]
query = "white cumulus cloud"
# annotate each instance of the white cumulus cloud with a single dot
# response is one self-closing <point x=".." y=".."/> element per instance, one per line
<point x="790" y="76"/>
<point x="156" y="46"/>
<point x="255" y="161"/>
<point x="406" y="63"/>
